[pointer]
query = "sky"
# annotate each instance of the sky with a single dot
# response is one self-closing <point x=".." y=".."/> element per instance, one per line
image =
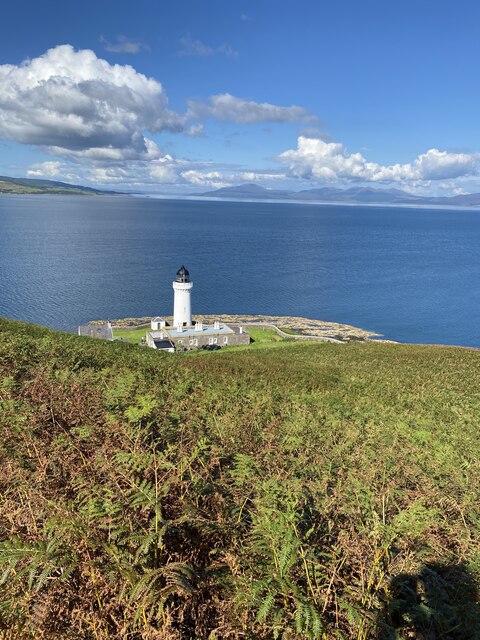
<point x="187" y="96"/>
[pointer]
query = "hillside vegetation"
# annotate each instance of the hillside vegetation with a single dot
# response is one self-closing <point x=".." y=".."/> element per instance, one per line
<point x="314" y="491"/>
<point x="25" y="186"/>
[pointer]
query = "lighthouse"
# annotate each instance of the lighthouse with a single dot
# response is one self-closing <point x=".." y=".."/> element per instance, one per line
<point x="182" y="308"/>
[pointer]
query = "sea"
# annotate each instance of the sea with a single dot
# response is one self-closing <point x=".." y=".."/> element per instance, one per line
<point x="409" y="274"/>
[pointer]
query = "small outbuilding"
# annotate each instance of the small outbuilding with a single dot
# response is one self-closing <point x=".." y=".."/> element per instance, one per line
<point x="102" y="330"/>
<point x="157" y="323"/>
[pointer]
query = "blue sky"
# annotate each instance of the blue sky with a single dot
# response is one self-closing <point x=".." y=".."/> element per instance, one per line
<point x="188" y="96"/>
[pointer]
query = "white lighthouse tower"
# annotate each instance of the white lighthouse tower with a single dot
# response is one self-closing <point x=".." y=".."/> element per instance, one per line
<point x="182" y="308"/>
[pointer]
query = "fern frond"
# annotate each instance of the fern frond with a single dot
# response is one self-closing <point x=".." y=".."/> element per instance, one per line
<point x="265" y="607"/>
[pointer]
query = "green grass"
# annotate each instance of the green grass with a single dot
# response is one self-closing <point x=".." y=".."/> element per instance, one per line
<point x="261" y="339"/>
<point x="312" y="491"/>
<point x="264" y="336"/>
<point x="131" y="335"/>
<point x="291" y="332"/>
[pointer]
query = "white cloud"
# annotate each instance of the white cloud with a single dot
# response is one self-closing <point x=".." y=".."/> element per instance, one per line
<point x="49" y="169"/>
<point x="191" y="47"/>
<point x="255" y="176"/>
<point x="109" y="175"/>
<point x="330" y="161"/>
<point x="441" y="165"/>
<point x="98" y="118"/>
<point x="77" y="103"/>
<point x="159" y="172"/>
<point x="196" y="130"/>
<point x="230" y="108"/>
<point x="212" y="179"/>
<point x="123" y="45"/>
<point x="165" y="170"/>
<point x="148" y="150"/>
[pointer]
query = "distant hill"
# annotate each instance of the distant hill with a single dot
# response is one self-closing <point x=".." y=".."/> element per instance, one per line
<point x="247" y="191"/>
<point x="354" y="195"/>
<point x="33" y="185"/>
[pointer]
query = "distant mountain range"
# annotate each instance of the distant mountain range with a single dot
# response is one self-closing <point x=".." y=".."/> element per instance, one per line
<point x="250" y="191"/>
<point x="355" y="195"/>
<point x="32" y="185"/>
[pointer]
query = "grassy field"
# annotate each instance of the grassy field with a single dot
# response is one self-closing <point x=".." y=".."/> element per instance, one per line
<point x="310" y="491"/>
<point x="263" y="337"/>
<point x="131" y="335"/>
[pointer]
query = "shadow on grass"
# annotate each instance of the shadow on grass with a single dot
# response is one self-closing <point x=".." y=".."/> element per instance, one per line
<point x="441" y="601"/>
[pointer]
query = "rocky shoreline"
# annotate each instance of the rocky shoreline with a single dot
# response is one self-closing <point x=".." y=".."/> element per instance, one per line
<point x="293" y="325"/>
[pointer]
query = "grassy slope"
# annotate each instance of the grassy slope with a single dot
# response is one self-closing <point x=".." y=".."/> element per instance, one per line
<point x="31" y="186"/>
<point x="314" y="491"/>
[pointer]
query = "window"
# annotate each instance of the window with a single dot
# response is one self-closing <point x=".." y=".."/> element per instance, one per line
<point x="225" y="340"/>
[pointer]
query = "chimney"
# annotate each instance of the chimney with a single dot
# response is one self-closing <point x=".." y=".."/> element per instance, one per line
<point x="240" y="329"/>
<point x="179" y="328"/>
<point x="199" y="326"/>
<point x="216" y="325"/>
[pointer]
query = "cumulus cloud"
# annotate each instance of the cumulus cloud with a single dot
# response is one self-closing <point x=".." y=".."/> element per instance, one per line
<point x="191" y="47"/>
<point x="113" y="175"/>
<point x="212" y="179"/>
<point x="50" y="169"/>
<point x="147" y="150"/>
<point x="98" y="118"/>
<point x="441" y="165"/>
<point x="75" y="103"/>
<point x="151" y="175"/>
<point x="330" y="161"/>
<point x="88" y="112"/>
<point x="123" y="45"/>
<point x="230" y="108"/>
<point x="170" y="172"/>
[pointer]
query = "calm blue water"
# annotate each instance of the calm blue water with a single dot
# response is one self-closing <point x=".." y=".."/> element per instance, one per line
<point x="411" y="274"/>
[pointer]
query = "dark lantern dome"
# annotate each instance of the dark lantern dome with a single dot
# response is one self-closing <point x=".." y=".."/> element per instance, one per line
<point x="183" y="275"/>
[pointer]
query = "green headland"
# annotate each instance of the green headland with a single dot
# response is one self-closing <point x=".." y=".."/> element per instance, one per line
<point x="316" y="490"/>
<point x="25" y="186"/>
